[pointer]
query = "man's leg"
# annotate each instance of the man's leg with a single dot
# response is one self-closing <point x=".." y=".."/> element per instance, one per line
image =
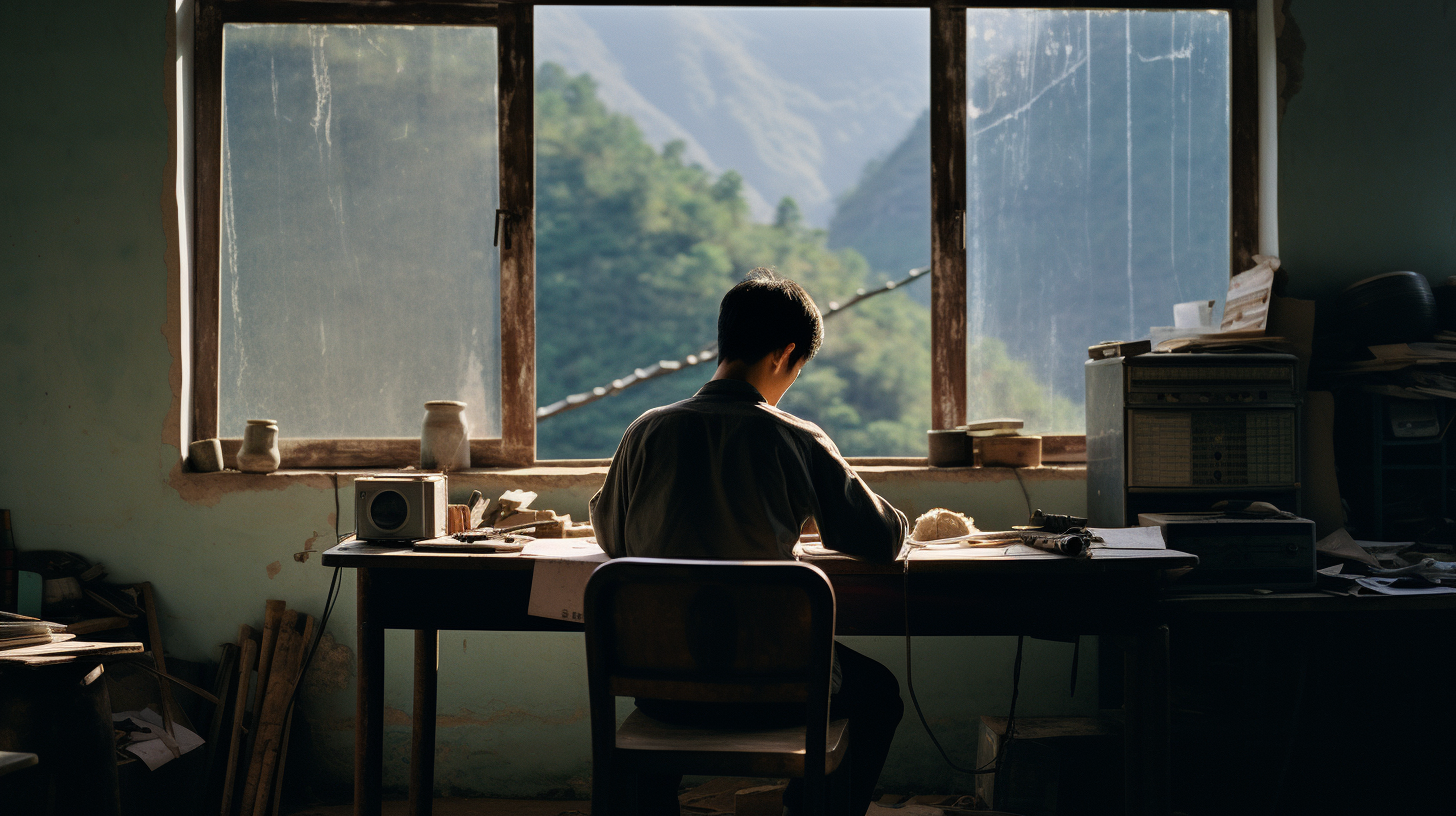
<point x="869" y="697"/>
<point x="657" y="794"/>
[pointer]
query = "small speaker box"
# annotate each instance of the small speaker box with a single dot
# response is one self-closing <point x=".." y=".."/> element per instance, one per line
<point x="393" y="508"/>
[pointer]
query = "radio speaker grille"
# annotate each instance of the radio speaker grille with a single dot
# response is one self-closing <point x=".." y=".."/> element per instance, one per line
<point x="1210" y="448"/>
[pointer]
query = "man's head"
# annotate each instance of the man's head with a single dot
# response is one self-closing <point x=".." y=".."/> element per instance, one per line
<point x="765" y="313"/>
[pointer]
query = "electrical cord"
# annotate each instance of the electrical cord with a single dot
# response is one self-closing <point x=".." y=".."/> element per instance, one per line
<point x="330" y="598"/>
<point x="1024" y="495"/>
<point x="993" y="766"/>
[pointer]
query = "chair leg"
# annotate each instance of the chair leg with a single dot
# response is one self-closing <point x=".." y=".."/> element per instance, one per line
<point x="602" y="799"/>
<point x="816" y="792"/>
<point x="839" y="795"/>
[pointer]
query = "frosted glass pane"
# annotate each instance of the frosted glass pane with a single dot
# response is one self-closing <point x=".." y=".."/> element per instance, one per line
<point x="1098" y="171"/>
<point x="359" y="189"/>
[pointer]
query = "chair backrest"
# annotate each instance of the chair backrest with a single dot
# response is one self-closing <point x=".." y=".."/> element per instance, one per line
<point x="710" y="631"/>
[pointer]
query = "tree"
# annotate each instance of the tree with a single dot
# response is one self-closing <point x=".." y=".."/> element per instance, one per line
<point x="634" y="251"/>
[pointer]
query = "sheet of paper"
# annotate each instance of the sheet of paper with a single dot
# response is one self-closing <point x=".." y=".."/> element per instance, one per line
<point x="158" y="750"/>
<point x="1246" y="306"/>
<point x="1129" y="538"/>
<point x="562" y="548"/>
<point x="1384" y="587"/>
<point x="1341" y="545"/>
<point x="972" y="553"/>
<point x="558" y="586"/>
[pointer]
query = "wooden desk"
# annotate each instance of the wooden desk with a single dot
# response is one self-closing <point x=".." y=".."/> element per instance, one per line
<point x="1022" y="592"/>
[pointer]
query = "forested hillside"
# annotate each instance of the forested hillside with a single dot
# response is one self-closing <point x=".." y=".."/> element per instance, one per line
<point x="635" y="248"/>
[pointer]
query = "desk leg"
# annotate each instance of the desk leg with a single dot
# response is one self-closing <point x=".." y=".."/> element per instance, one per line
<point x="1148" y="705"/>
<point x="422" y="741"/>
<point x="368" y="707"/>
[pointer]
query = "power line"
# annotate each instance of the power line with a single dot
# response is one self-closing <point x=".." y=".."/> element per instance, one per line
<point x="662" y="368"/>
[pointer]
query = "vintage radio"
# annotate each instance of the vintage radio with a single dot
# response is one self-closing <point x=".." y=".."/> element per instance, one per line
<point x="394" y="508"/>
<point x="1170" y="432"/>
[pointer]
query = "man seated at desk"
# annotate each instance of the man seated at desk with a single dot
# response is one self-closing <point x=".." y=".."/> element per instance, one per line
<point x="727" y="475"/>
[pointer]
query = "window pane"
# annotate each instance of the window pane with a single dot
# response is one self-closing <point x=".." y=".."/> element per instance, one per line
<point x="1098" y="197"/>
<point x="359" y="188"/>
<point x="678" y="148"/>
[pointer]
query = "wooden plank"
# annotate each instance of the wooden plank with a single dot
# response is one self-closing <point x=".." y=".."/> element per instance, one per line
<point x="307" y="645"/>
<point x="1243" y="140"/>
<point x="159" y="657"/>
<point x="272" y="620"/>
<point x="948" y="215"/>
<point x="222" y="689"/>
<point x="274" y="703"/>
<point x="518" y="261"/>
<point x="418" y="12"/>
<point x="207" y="215"/>
<point x="247" y="661"/>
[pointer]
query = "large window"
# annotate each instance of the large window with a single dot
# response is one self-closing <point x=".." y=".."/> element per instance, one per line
<point x="366" y="243"/>
<point x="1097" y="185"/>
<point x="406" y="201"/>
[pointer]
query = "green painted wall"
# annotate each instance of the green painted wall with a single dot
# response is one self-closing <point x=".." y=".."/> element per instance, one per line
<point x="1367" y="154"/>
<point x="86" y="454"/>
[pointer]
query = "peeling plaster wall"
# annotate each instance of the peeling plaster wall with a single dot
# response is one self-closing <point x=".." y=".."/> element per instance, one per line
<point x="88" y="449"/>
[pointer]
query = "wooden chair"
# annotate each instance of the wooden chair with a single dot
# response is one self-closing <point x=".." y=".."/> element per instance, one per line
<point x="749" y="632"/>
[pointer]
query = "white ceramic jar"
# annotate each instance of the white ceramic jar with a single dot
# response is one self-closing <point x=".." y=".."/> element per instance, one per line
<point x="445" y="437"/>
<point x="259" y="453"/>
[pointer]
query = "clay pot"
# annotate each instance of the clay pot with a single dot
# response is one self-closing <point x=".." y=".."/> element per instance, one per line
<point x="444" y="438"/>
<point x="259" y="453"/>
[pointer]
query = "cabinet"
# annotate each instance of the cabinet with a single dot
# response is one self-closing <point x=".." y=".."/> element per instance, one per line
<point x="1396" y="464"/>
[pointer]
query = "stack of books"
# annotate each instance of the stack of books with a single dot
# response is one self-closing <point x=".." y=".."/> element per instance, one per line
<point x="19" y="630"/>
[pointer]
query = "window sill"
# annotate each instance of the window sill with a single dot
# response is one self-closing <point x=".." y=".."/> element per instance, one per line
<point x="586" y="474"/>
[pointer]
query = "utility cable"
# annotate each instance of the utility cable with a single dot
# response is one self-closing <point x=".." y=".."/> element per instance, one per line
<point x="662" y="368"/>
<point x="992" y="766"/>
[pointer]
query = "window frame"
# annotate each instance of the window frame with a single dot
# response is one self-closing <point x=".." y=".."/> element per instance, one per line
<point x="948" y="188"/>
<point x="515" y="118"/>
<point x="516" y="96"/>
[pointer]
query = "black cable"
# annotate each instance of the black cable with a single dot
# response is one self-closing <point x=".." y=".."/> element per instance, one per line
<point x="330" y="598"/>
<point x="1024" y="495"/>
<point x="910" y="682"/>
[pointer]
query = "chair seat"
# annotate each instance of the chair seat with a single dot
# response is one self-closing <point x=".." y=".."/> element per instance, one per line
<point x="777" y="752"/>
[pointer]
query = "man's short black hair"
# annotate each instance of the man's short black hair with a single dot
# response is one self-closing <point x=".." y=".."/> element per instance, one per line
<point x="764" y="313"/>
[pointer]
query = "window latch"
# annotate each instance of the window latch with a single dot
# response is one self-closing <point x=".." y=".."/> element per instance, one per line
<point x="502" y="225"/>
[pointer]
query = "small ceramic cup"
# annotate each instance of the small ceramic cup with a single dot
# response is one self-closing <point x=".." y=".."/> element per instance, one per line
<point x="205" y="456"/>
<point x="948" y="448"/>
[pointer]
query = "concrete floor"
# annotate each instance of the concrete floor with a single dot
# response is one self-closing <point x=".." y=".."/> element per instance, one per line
<point x="467" y="807"/>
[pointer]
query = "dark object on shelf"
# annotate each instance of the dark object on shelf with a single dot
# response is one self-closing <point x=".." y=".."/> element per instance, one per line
<point x="948" y="448"/>
<point x="1445" y="293"/>
<point x="1397" y="307"/>
<point x="1240" y="553"/>
<point x="1119" y="348"/>
<point x="1398" y="487"/>
<point x="1052" y="765"/>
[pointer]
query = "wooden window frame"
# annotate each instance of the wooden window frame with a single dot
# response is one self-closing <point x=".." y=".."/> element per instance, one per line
<point x="948" y="94"/>
<point x="515" y="97"/>
<point x="517" y="445"/>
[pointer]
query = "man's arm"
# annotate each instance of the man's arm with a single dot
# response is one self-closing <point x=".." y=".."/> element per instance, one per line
<point x="852" y="518"/>
<point x="609" y="506"/>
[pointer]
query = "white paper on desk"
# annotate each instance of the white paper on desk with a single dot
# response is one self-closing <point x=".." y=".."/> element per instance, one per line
<point x="1129" y="538"/>
<point x="156" y="748"/>
<point x="562" y="548"/>
<point x="1384" y="587"/>
<point x="972" y="553"/>
<point x="558" y="586"/>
